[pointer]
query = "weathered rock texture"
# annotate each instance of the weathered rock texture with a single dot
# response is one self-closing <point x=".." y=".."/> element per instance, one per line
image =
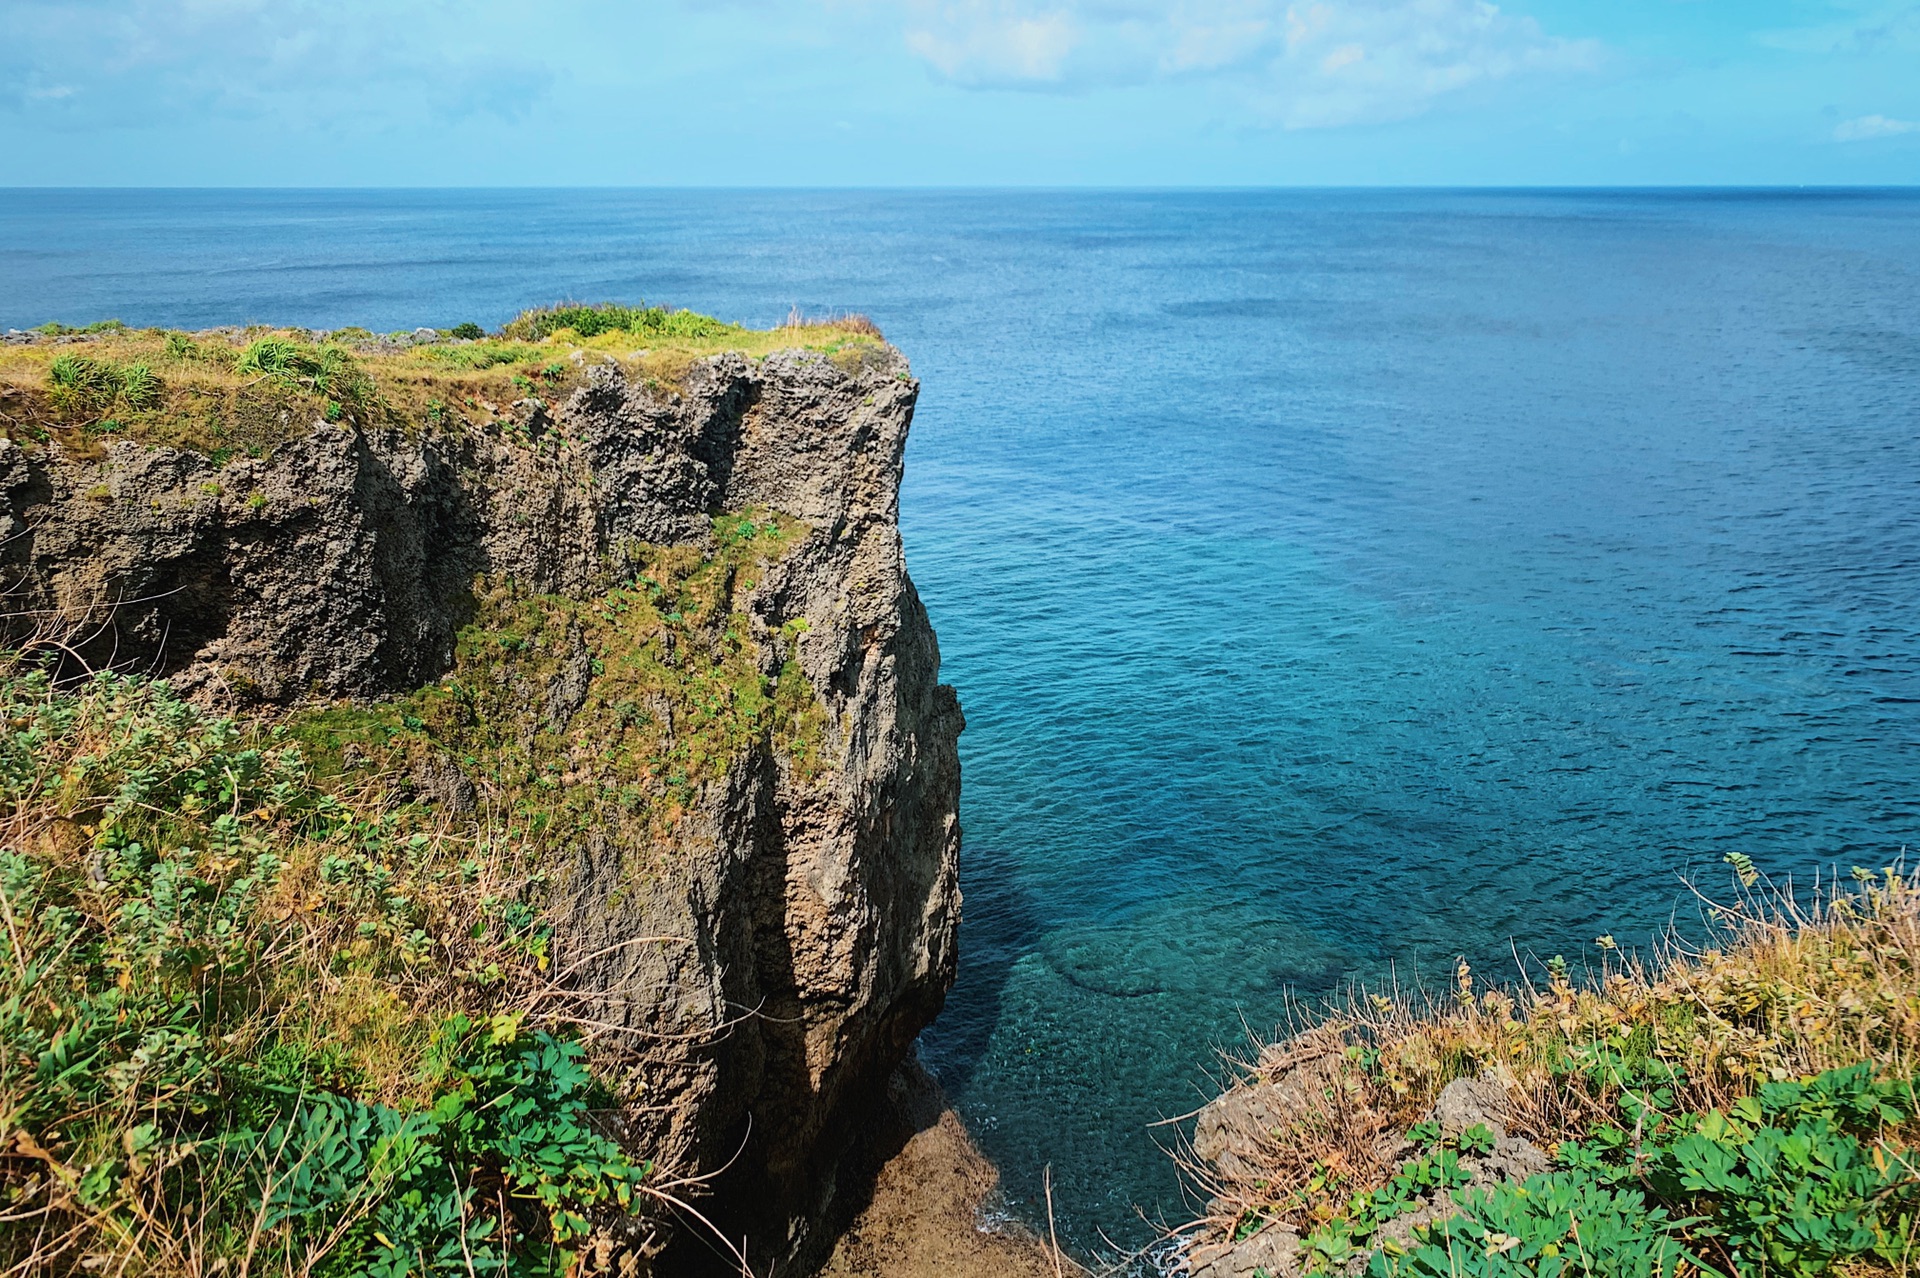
<point x="803" y="927"/>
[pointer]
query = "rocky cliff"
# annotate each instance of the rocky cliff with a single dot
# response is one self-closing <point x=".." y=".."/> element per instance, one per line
<point x="753" y="905"/>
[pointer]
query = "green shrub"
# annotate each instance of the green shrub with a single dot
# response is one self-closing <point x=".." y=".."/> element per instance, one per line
<point x="468" y="332"/>
<point x="608" y="317"/>
<point x="381" y="1192"/>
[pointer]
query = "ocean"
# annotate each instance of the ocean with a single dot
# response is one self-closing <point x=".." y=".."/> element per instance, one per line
<point x="1339" y="585"/>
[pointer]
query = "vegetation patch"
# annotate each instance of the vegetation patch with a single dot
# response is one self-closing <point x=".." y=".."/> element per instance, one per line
<point x="479" y="356"/>
<point x="328" y="372"/>
<point x="609" y="317"/>
<point x="1749" y="1109"/>
<point x="170" y="389"/>
<point x="252" y="1020"/>
<point x="611" y="713"/>
<point x="84" y="387"/>
<point x="265" y="1007"/>
<point x="54" y="329"/>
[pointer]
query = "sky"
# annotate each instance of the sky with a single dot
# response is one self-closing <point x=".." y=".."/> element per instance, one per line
<point x="958" y="92"/>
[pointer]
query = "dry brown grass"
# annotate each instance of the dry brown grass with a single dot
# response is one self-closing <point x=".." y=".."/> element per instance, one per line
<point x="1791" y="989"/>
<point x="848" y="322"/>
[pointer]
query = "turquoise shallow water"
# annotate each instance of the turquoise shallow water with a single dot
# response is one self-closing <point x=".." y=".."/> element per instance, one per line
<point x="1337" y="583"/>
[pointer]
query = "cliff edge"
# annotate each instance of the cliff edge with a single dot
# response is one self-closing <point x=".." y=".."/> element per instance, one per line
<point x="655" y="621"/>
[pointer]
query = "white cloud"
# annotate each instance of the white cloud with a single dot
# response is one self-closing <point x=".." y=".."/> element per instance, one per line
<point x="148" y="61"/>
<point x="1299" y="63"/>
<point x="1872" y="126"/>
<point x="982" y="42"/>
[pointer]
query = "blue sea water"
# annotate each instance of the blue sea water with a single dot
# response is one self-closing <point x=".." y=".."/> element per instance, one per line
<point x="1338" y="583"/>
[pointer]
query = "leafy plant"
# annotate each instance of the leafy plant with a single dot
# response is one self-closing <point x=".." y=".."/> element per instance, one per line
<point x="500" y="1174"/>
<point x="1797" y="1178"/>
<point x="1560" y="1224"/>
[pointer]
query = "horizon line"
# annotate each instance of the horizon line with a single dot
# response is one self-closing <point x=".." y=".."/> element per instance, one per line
<point x="1010" y="188"/>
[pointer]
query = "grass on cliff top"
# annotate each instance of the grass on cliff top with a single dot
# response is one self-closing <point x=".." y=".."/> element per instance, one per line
<point x="1744" y="1109"/>
<point x="240" y="392"/>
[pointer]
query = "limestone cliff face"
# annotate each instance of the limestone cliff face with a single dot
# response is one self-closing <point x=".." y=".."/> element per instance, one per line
<point x="761" y="976"/>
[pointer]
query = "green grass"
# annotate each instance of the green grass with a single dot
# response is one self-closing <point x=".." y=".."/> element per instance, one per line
<point x="82" y="386"/>
<point x="608" y="317"/>
<point x="483" y="355"/>
<point x="670" y="690"/>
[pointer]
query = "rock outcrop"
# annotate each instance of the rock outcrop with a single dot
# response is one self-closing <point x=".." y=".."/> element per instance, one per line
<point x="765" y="973"/>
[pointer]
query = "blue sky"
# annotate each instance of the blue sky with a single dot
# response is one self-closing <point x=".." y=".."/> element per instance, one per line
<point x="964" y="92"/>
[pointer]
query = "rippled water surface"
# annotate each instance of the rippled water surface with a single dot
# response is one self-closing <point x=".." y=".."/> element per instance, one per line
<point x="1332" y="581"/>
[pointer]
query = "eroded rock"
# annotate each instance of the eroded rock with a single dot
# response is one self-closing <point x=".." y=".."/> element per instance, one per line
<point x="765" y="971"/>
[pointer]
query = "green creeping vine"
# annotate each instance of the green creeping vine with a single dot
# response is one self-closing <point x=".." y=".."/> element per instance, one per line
<point x="1438" y="1169"/>
<point x="1555" y="1224"/>
<point x="1796" y="1178"/>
